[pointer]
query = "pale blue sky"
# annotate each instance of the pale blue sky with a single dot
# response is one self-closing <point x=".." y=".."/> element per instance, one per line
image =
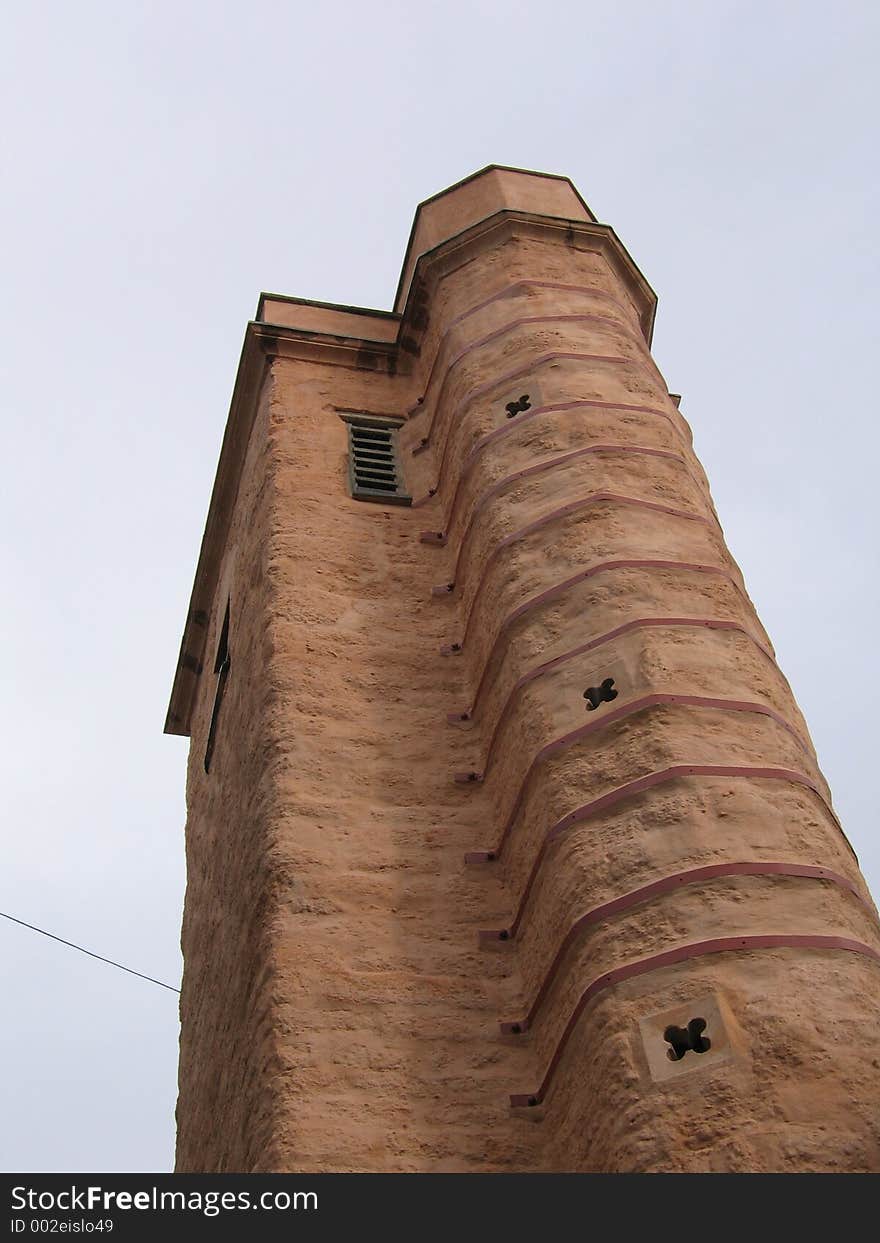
<point x="164" y="162"/>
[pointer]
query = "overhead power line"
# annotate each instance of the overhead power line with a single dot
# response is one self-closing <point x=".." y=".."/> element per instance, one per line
<point x="83" y="950"/>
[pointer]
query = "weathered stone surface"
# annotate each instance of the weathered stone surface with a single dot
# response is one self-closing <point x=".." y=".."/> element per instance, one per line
<point x="338" y="1012"/>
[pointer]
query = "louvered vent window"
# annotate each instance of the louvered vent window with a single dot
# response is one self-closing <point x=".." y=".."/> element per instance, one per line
<point x="373" y="466"/>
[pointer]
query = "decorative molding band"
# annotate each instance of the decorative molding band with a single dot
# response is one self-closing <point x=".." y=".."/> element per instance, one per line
<point x="502" y="331"/>
<point x="620" y="794"/>
<point x="553" y="593"/>
<point x="669" y="958"/>
<point x="497" y="333"/>
<point x="555" y="515"/>
<point x="514" y="374"/>
<point x="638" y="623"/>
<point x="278" y="341"/>
<point x="438" y="539"/>
<point x="515" y="424"/>
<point x="505" y="379"/>
<point x="510" y="291"/>
<point x="634" y="706"/>
<point x="646" y="893"/>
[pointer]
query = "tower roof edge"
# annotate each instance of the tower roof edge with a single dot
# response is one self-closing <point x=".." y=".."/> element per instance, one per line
<point x="478" y="196"/>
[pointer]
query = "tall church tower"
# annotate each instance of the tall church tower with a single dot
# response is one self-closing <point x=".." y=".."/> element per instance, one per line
<point x="507" y="845"/>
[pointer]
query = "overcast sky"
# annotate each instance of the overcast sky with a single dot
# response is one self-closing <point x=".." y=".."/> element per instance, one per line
<point x="164" y="162"/>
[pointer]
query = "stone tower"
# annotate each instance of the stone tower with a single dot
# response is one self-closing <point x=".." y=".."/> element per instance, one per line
<point x="507" y="845"/>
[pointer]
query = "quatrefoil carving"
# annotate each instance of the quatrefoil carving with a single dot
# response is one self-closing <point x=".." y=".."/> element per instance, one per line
<point x="514" y="408"/>
<point x="603" y="693"/>
<point x="688" y="1039"/>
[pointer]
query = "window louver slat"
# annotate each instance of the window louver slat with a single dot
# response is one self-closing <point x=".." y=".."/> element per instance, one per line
<point x="374" y="470"/>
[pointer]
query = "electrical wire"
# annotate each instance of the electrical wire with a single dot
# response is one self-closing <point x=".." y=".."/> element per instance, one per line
<point x="82" y="950"/>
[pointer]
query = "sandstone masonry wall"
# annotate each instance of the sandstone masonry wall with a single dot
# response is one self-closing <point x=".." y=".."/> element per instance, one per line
<point x="340" y="1011"/>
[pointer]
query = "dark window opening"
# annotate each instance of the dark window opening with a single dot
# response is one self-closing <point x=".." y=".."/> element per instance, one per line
<point x="223" y="642"/>
<point x="373" y="465"/>
<point x="221" y="669"/>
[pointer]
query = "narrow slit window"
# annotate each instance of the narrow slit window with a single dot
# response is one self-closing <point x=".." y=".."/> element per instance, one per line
<point x="221" y="670"/>
<point x="373" y="464"/>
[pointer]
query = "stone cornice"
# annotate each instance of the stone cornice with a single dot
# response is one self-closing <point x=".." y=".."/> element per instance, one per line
<point x="504" y="225"/>
<point x="475" y="198"/>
